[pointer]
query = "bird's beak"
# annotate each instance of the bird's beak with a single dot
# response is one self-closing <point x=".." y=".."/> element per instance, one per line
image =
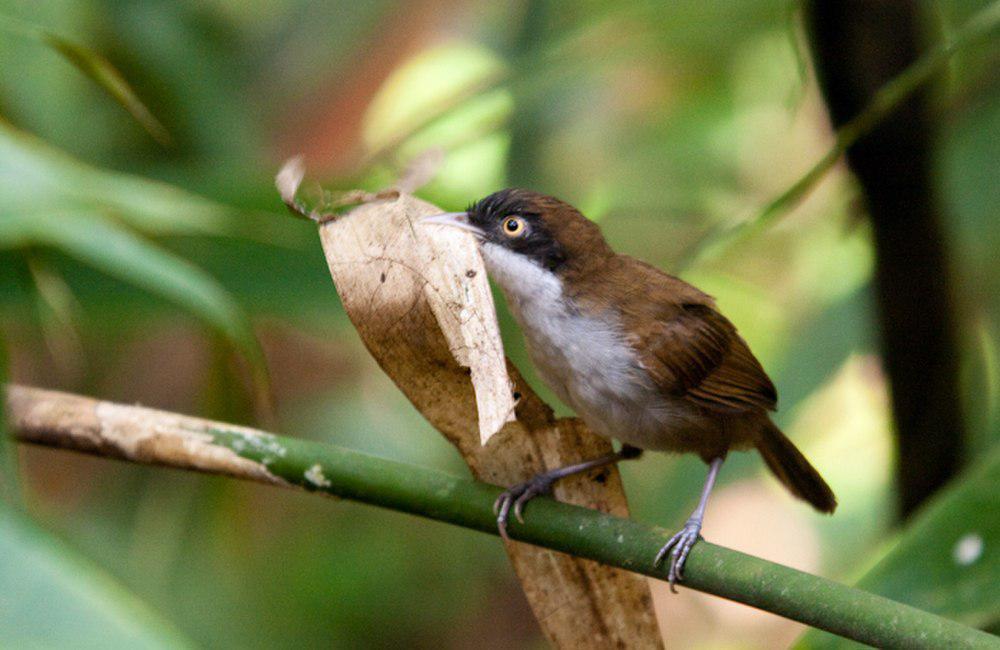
<point x="458" y="220"/>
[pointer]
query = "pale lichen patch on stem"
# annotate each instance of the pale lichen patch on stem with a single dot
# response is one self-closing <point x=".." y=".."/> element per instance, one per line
<point x="314" y="476"/>
<point x="147" y="435"/>
<point x="245" y="442"/>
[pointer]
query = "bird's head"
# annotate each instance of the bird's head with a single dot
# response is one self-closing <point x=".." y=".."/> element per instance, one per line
<point x="516" y="228"/>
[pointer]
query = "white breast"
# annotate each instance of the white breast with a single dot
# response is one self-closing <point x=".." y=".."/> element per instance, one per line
<point x="583" y="359"/>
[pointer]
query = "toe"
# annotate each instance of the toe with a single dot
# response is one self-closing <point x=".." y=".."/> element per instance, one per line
<point x="499" y="502"/>
<point x="522" y="501"/>
<point x="671" y="543"/>
<point x="681" y="552"/>
<point x="672" y="577"/>
<point x="503" y="515"/>
<point x="519" y="508"/>
<point x="678" y="548"/>
<point x="682" y="558"/>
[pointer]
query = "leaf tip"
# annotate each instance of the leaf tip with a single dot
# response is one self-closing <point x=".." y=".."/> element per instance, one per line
<point x="289" y="179"/>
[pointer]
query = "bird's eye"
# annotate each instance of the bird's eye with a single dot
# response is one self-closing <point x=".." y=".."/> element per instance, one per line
<point x="513" y="226"/>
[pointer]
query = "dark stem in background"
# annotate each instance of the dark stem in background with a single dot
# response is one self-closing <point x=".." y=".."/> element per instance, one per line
<point x="859" y="45"/>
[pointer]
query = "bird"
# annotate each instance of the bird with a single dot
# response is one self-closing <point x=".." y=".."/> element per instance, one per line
<point x="641" y="356"/>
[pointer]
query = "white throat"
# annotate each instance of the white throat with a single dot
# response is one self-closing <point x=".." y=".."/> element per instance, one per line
<point x="522" y="280"/>
<point x="582" y="358"/>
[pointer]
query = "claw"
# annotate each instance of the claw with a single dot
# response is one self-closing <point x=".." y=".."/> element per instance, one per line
<point x="530" y="493"/>
<point x="502" y="510"/>
<point x="679" y="546"/>
<point x="519" y="508"/>
<point x="518" y="497"/>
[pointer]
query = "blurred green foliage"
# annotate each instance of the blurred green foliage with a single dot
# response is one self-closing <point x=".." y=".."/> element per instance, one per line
<point x="946" y="560"/>
<point x="55" y="599"/>
<point x="666" y="122"/>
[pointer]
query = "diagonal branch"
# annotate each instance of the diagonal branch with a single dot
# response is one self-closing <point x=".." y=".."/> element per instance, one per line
<point x="858" y="121"/>
<point x="160" y="438"/>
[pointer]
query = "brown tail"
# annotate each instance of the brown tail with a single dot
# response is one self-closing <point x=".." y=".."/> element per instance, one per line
<point x="793" y="470"/>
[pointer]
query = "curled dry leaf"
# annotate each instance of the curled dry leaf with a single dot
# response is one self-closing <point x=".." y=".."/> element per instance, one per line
<point x="443" y="265"/>
<point x="419" y="298"/>
<point x="289" y="179"/>
<point x="420" y="170"/>
<point x="458" y="294"/>
<point x="448" y="267"/>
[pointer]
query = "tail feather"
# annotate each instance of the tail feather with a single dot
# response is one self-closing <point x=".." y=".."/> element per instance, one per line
<point x="793" y="470"/>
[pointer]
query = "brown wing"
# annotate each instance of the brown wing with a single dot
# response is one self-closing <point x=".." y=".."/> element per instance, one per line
<point x="694" y="352"/>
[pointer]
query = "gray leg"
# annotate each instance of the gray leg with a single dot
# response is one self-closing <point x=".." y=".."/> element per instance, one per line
<point x="540" y="484"/>
<point x="682" y="542"/>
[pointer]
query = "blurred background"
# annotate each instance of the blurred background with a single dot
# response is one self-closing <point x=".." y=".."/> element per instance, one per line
<point x="145" y="257"/>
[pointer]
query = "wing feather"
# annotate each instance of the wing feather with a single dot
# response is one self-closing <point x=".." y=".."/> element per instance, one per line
<point x="695" y="353"/>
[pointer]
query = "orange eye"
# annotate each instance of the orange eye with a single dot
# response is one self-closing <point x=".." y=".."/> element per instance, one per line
<point x="513" y="226"/>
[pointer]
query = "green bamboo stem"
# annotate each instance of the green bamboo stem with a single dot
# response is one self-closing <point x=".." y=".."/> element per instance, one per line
<point x="627" y="544"/>
<point x="156" y="437"/>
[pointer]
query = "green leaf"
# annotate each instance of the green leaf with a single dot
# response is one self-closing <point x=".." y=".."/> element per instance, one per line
<point x="105" y="75"/>
<point x="947" y="561"/>
<point x="96" y="68"/>
<point x="34" y="175"/>
<point x="48" y="198"/>
<point x="93" y="239"/>
<point x="983" y="26"/>
<point x="54" y="598"/>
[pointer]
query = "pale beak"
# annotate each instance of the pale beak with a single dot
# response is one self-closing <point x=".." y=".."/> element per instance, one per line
<point x="458" y="220"/>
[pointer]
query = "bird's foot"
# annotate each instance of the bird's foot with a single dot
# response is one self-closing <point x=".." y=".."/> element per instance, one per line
<point x="518" y="496"/>
<point x="678" y="547"/>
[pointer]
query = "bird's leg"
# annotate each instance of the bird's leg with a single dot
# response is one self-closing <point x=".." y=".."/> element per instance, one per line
<point x="680" y="544"/>
<point x="540" y="484"/>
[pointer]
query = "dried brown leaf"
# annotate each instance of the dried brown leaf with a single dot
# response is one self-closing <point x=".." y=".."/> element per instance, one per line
<point x="419" y="298"/>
